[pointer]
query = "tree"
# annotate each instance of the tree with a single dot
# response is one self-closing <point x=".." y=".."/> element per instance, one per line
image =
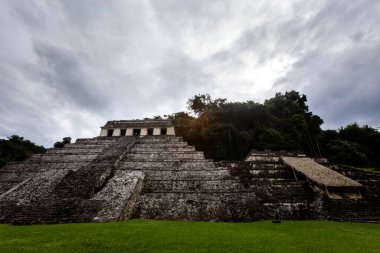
<point x="345" y="152"/>
<point x="61" y="144"/>
<point x="16" y="149"/>
<point x="352" y="145"/>
<point x="199" y="103"/>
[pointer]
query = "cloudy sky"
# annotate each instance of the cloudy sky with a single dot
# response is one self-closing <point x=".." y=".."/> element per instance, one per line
<point x="66" y="67"/>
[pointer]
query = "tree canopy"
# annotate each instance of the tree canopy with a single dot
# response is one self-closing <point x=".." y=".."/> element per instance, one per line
<point x="229" y="130"/>
<point x="16" y="149"/>
<point x="353" y="145"/>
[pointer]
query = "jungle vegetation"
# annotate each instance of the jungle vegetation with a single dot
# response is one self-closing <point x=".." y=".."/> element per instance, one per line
<point x="16" y="149"/>
<point x="229" y="130"/>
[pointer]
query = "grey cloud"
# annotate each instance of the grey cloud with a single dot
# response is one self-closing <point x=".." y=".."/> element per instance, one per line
<point x="83" y="12"/>
<point x="342" y="87"/>
<point x="29" y="13"/>
<point x="348" y="87"/>
<point x="71" y="65"/>
<point x="63" y="70"/>
<point x="180" y="75"/>
<point x="23" y="113"/>
<point x="337" y="65"/>
<point x="167" y="87"/>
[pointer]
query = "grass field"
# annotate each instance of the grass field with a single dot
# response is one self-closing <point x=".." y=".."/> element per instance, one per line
<point x="176" y="236"/>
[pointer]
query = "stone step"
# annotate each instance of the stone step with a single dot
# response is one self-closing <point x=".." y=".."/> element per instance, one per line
<point x="138" y="149"/>
<point x="38" y="166"/>
<point x="30" y="167"/>
<point x="186" y="175"/>
<point x="95" y="141"/>
<point x="9" y="176"/>
<point x="246" y="165"/>
<point x="278" y="187"/>
<point x="65" y="154"/>
<point x="250" y="166"/>
<point x="162" y="145"/>
<point x="163" y="156"/>
<point x="167" y="164"/>
<point x="75" y="151"/>
<point x="167" y="173"/>
<point x="164" y="152"/>
<point x="238" y="197"/>
<point x="165" y="139"/>
<point x="83" y="146"/>
<point x="62" y="158"/>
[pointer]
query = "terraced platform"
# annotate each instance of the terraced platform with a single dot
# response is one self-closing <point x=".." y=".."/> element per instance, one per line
<point x="152" y="177"/>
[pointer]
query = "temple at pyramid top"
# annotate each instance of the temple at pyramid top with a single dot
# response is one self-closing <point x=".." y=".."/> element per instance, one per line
<point x="137" y="127"/>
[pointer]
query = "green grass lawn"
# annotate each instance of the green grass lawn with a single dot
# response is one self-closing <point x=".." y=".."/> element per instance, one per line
<point x="176" y="236"/>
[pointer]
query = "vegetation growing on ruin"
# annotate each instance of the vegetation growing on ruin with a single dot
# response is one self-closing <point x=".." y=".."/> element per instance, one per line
<point x="16" y="149"/>
<point x="177" y="236"/>
<point x="229" y="130"/>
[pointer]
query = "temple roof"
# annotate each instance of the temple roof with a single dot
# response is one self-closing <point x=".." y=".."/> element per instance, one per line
<point x="138" y="123"/>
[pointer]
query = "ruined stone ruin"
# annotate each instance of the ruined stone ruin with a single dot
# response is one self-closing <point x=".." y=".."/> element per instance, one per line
<point x="140" y="169"/>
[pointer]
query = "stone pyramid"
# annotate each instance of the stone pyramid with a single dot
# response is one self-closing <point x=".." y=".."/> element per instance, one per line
<point x="140" y="169"/>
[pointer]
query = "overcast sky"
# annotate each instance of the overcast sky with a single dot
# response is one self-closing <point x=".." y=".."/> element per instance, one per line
<point x="66" y="67"/>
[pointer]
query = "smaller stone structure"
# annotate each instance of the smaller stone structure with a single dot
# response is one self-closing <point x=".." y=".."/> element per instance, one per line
<point x="322" y="178"/>
<point x="137" y="128"/>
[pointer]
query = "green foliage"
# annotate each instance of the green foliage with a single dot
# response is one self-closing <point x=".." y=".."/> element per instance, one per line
<point x="273" y="139"/>
<point x="345" y="152"/>
<point x="199" y="103"/>
<point x="229" y="130"/>
<point x="352" y="145"/>
<point x="61" y="144"/>
<point x="179" y="236"/>
<point x="16" y="149"/>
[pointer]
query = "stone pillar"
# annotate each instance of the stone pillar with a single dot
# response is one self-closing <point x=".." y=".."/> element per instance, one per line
<point x="157" y="131"/>
<point x="103" y="132"/>
<point x="129" y="132"/>
<point x="116" y="132"/>
<point x="170" y="131"/>
<point x="144" y="131"/>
